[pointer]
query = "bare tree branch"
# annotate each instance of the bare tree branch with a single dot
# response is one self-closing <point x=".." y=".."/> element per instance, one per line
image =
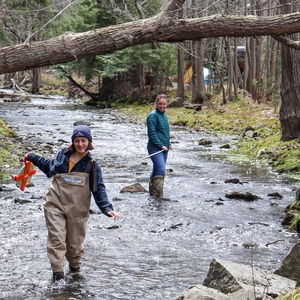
<point x="139" y="9"/>
<point x="172" y="7"/>
<point x="47" y="23"/>
<point x="287" y="41"/>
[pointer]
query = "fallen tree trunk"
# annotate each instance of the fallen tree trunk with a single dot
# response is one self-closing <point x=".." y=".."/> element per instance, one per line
<point x="161" y="28"/>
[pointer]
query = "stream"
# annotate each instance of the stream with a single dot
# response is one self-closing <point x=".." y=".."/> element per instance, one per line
<point x="159" y="248"/>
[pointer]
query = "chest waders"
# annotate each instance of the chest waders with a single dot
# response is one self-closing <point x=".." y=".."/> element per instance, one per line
<point x="66" y="210"/>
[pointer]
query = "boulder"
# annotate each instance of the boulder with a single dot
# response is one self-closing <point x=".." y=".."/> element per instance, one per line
<point x="229" y="277"/>
<point x="243" y="294"/>
<point x="134" y="188"/>
<point x="290" y="265"/>
<point x="205" y="142"/>
<point x="242" y="195"/>
<point x="200" y="292"/>
<point x="176" y="102"/>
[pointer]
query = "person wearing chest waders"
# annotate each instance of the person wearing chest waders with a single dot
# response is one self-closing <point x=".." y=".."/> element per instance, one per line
<point x="67" y="202"/>
<point x="158" y="146"/>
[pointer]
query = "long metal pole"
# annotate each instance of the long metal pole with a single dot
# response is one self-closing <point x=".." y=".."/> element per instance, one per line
<point x="153" y="154"/>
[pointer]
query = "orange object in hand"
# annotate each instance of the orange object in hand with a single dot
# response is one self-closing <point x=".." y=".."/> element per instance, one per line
<point x="25" y="174"/>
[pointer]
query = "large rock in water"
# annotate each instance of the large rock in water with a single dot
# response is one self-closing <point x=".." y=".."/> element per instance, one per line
<point x="290" y="265"/>
<point x="134" y="188"/>
<point x="229" y="277"/>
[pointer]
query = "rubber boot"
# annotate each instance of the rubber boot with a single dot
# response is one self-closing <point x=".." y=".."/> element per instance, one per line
<point x="74" y="270"/>
<point x="152" y="190"/>
<point x="158" y="183"/>
<point x="58" y="276"/>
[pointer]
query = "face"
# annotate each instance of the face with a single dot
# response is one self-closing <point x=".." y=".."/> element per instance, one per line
<point x="161" y="104"/>
<point x="81" y="144"/>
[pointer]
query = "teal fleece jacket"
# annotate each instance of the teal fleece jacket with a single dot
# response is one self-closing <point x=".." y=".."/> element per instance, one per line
<point x="158" y="130"/>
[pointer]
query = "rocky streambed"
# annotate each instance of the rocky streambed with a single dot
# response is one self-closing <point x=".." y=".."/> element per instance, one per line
<point x="157" y="249"/>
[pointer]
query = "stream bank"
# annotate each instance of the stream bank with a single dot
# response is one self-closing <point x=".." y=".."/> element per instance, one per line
<point x="158" y="249"/>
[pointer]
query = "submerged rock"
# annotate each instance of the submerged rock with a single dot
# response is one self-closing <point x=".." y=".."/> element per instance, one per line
<point x="242" y="195"/>
<point x="205" y="142"/>
<point x="134" y="188"/>
<point x="233" y="180"/>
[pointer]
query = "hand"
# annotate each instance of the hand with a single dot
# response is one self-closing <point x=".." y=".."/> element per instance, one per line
<point x="25" y="157"/>
<point x="114" y="214"/>
<point x="164" y="148"/>
<point x="171" y="147"/>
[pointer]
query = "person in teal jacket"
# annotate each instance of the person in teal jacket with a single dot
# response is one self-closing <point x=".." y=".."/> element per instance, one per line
<point x="158" y="145"/>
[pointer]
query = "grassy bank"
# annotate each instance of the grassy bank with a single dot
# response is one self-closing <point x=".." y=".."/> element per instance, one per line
<point x="7" y="149"/>
<point x="232" y="119"/>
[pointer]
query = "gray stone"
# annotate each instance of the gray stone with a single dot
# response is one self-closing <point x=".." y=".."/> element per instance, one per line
<point x="134" y="188"/>
<point x="243" y="295"/>
<point x="249" y="133"/>
<point x="242" y="195"/>
<point x="205" y="142"/>
<point x="175" y="102"/>
<point x="290" y="265"/>
<point x="229" y="277"/>
<point x="200" y="292"/>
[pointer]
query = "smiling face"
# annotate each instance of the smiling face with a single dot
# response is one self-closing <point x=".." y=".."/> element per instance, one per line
<point x="81" y="144"/>
<point x="161" y="102"/>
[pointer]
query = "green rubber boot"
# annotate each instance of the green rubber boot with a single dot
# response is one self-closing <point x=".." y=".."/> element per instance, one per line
<point x="158" y="183"/>
<point x="152" y="189"/>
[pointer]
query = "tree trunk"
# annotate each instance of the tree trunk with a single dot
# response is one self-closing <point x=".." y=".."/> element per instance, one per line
<point x="180" y="72"/>
<point x="36" y="80"/>
<point x="161" y="28"/>
<point x="235" y="69"/>
<point x="198" y="86"/>
<point x="289" y="112"/>
<point x="229" y="69"/>
<point x="251" y="52"/>
<point x="290" y="94"/>
<point x="180" y="66"/>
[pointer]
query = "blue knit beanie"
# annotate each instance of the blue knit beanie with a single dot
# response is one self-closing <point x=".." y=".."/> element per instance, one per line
<point x="82" y="131"/>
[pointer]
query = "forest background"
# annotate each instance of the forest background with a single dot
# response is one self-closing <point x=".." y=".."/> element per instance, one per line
<point x="253" y="79"/>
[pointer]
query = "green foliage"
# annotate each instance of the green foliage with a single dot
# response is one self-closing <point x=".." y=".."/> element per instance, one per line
<point x="7" y="149"/>
<point x="294" y="225"/>
<point x="291" y="295"/>
<point x="90" y="14"/>
<point x="6" y="131"/>
<point x="163" y="57"/>
<point x="80" y="18"/>
<point x="4" y="40"/>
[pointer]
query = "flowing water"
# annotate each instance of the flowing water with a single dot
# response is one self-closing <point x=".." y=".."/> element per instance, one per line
<point x="158" y="249"/>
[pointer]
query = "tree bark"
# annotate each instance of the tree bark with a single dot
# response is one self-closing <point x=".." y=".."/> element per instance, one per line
<point x="289" y="113"/>
<point x="290" y="94"/>
<point x="180" y="66"/>
<point x="161" y="28"/>
<point x="36" y="80"/>
<point x="180" y="73"/>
